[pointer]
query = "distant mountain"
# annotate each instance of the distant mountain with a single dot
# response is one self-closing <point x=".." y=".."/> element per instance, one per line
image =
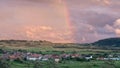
<point x="108" y="42"/>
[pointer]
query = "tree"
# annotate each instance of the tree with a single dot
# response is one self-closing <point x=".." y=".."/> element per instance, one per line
<point x="38" y="64"/>
<point x="48" y="64"/>
<point x="4" y="64"/>
<point x="109" y="64"/>
<point x="28" y="64"/>
<point x="52" y="64"/>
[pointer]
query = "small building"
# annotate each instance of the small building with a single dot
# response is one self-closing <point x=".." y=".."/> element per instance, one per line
<point x="112" y="59"/>
<point x="56" y="58"/>
<point x="46" y="57"/>
<point x="75" y="55"/>
<point x="88" y="57"/>
<point x="65" y="56"/>
<point x="34" y="57"/>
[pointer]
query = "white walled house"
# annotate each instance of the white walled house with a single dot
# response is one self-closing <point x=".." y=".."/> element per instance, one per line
<point x="34" y="57"/>
<point x="88" y="57"/>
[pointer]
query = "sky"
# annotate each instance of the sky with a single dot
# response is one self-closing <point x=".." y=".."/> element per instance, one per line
<point x="64" y="21"/>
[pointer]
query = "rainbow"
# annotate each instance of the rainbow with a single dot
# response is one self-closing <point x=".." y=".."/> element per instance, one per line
<point x="68" y="20"/>
<point x="65" y="11"/>
<point x="67" y="14"/>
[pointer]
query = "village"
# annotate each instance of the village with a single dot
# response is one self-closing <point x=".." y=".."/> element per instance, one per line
<point x="29" y="56"/>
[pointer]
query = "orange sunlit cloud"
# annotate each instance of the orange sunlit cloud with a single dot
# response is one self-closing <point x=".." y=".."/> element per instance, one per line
<point x="26" y="19"/>
<point x="47" y="33"/>
<point x="59" y="20"/>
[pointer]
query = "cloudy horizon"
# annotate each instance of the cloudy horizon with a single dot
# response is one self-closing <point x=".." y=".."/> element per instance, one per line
<point x="75" y="21"/>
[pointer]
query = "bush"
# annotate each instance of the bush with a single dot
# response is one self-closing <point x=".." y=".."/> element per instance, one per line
<point x="4" y="64"/>
<point x="19" y="60"/>
<point x="52" y="64"/>
<point x="38" y="64"/>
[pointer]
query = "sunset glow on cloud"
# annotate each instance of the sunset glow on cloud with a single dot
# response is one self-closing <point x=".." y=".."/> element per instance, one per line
<point x="59" y="20"/>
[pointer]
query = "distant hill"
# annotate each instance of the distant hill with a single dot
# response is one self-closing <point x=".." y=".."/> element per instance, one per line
<point x="108" y="42"/>
<point x="31" y="43"/>
<point x="27" y="43"/>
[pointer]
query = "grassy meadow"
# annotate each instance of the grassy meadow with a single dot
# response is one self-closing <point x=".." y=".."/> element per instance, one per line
<point x="73" y="64"/>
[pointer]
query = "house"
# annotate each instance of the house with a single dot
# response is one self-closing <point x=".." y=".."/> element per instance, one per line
<point x="75" y="55"/>
<point x="88" y="57"/>
<point x="12" y="57"/>
<point x="34" y="57"/>
<point x="4" y="57"/>
<point x="100" y="58"/>
<point x="46" y="57"/>
<point x="16" y="55"/>
<point x="111" y="58"/>
<point x="65" y="56"/>
<point x="56" y="58"/>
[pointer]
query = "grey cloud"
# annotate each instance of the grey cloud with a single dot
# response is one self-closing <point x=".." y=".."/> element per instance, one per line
<point x="95" y="14"/>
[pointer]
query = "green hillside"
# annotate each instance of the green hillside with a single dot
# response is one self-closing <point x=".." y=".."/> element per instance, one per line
<point x="108" y="42"/>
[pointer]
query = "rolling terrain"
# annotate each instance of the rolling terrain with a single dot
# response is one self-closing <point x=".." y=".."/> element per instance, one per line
<point x="105" y="45"/>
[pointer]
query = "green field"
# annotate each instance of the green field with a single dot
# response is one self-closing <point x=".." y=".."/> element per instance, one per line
<point x="51" y="49"/>
<point x="74" y="64"/>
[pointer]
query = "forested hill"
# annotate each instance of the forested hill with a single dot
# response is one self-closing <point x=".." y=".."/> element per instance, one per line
<point x="108" y="42"/>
